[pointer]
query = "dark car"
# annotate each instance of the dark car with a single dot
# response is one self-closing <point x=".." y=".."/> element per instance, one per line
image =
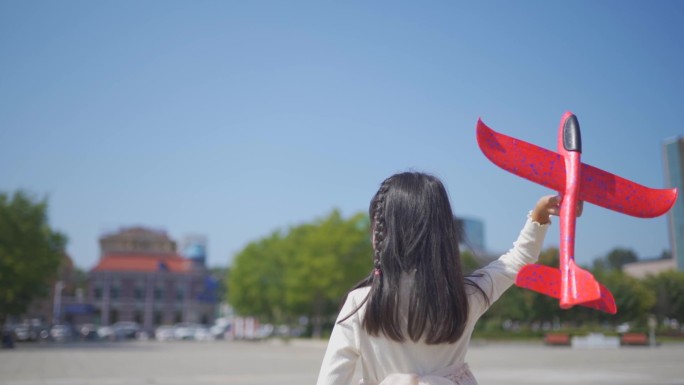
<point x="88" y="332"/>
<point x="7" y="336"/>
<point x="125" y="330"/>
<point x="30" y="331"/>
<point x="62" y="333"/>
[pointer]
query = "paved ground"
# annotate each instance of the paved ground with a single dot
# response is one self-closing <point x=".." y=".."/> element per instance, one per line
<point x="261" y="363"/>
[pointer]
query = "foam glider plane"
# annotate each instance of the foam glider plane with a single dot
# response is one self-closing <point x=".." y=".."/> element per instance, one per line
<point x="562" y="171"/>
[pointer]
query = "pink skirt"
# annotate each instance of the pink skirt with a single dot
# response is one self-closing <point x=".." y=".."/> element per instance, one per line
<point x="453" y="375"/>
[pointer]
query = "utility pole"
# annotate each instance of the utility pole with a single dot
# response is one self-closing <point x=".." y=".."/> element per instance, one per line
<point x="57" y="302"/>
<point x="652" y="323"/>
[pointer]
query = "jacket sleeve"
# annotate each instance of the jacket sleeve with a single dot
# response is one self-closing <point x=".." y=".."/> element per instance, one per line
<point x="495" y="278"/>
<point x="342" y="353"/>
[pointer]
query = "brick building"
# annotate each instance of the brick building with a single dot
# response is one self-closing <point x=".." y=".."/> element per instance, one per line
<point x="140" y="277"/>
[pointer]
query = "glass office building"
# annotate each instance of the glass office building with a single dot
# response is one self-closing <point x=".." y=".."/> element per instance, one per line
<point x="472" y="234"/>
<point x="673" y="152"/>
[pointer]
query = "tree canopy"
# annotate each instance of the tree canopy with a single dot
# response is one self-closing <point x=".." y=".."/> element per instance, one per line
<point x="30" y="252"/>
<point x="304" y="271"/>
<point x="668" y="289"/>
<point x="307" y="269"/>
<point x="636" y="299"/>
<point x="618" y="257"/>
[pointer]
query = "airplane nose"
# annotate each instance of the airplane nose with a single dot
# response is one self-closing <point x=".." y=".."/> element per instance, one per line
<point x="572" y="139"/>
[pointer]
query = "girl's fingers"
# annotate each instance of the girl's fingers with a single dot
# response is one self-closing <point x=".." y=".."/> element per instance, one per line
<point x="554" y="203"/>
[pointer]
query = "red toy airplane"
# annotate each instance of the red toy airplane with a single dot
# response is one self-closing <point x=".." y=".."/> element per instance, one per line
<point x="563" y="172"/>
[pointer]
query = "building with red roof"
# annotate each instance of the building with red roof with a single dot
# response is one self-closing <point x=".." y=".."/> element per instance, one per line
<point x="141" y="278"/>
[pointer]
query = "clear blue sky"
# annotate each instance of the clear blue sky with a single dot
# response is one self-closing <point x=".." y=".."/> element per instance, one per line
<point x="234" y="119"/>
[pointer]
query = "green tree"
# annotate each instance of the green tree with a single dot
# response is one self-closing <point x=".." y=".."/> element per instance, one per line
<point x="469" y="262"/>
<point x="668" y="288"/>
<point x="633" y="298"/>
<point x="618" y="257"/>
<point x="302" y="272"/>
<point x="524" y="305"/>
<point x="326" y="259"/>
<point x="550" y="257"/>
<point x="543" y="307"/>
<point x="30" y="252"/>
<point x="255" y="282"/>
<point x="514" y="305"/>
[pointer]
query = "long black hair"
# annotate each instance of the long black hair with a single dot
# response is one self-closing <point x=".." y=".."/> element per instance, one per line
<point x="414" y="231"/>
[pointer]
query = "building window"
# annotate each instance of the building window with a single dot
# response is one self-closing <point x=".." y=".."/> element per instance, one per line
<point x="158" y="293"/>
<point x="138" y="317"/>
<point x="114" y="316"/>
<point x="97" y="293"/>
<point x="179" y="295"/>
<point x="139" y="293"/>
<point x="179" y="317"/>
<point x="115" y="293"/>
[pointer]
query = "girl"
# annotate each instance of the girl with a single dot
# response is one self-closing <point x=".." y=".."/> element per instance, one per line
<point x="410" y="320"/>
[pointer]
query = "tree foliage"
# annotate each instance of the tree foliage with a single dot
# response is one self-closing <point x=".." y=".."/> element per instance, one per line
<point x="615" y="259"/>
<point x="635" y="298"/>
<point x="303" y="271"/>
<point x="30" y="252"/>
<point x="255" y="283"/>
<point x="668" y="288"/>
<point x="306" y="271"/>
<point x="469" y="262"/>
<point x="618" y="257"/>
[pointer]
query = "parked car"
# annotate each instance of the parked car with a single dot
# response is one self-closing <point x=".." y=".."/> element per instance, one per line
<point x="33" y="330"/>
<point x="88" y="332"/>
<point x="164" y="333"/>
<point x="126" y="330"/>
<point x="22" y="332"/>
<point x="61" y="332"/>
<point x="203" y="333"/>
<point x="105" y="333"/>
<point x="220" y="328"/>
<point x="8" y="336"/>
<point x="184" y="330"/>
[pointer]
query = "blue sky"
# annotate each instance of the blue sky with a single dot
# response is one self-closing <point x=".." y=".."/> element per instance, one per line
<point x="234" y="119"/>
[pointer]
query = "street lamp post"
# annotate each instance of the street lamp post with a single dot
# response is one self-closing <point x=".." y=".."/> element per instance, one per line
<point x="652" y="323"/>
<point x="57" y="303"/>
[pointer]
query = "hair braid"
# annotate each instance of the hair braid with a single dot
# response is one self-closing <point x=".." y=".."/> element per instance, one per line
<point x="379" y="233"/>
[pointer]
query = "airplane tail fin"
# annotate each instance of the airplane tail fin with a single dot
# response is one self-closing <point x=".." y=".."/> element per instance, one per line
<point x="587" y="291"/>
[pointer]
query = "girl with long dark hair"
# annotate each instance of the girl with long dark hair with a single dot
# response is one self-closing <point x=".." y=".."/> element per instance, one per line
<point x="410" y="320"/>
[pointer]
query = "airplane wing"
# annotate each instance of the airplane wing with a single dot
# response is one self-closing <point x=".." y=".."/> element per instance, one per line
<point x="547" y="168"/>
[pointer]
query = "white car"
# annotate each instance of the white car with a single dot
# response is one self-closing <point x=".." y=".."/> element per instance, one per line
<point x="105" y="333"/>
<point x="221" y="328"/>
<point x="184" y="330"/>
<point x="164" y="333"/>
<point x="61" y="333"/>
<point x="203" y="333"/>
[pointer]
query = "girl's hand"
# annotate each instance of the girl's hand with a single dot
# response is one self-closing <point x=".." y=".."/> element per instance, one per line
<point x="550" y="205"/>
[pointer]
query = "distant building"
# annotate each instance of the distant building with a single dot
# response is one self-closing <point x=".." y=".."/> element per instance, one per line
<point x="641" y="269"/>
<point x="673" y="154"/>
<point x="195" y="248"/>
<point x="472" y="234"/>
<point x="64" y="302"/>
<point x="140" y="277"/>
<point x="673" y="161"/>
<point x="137" y="240"/>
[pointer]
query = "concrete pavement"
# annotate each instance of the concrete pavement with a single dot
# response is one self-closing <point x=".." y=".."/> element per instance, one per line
<point x="297" y="362"/>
